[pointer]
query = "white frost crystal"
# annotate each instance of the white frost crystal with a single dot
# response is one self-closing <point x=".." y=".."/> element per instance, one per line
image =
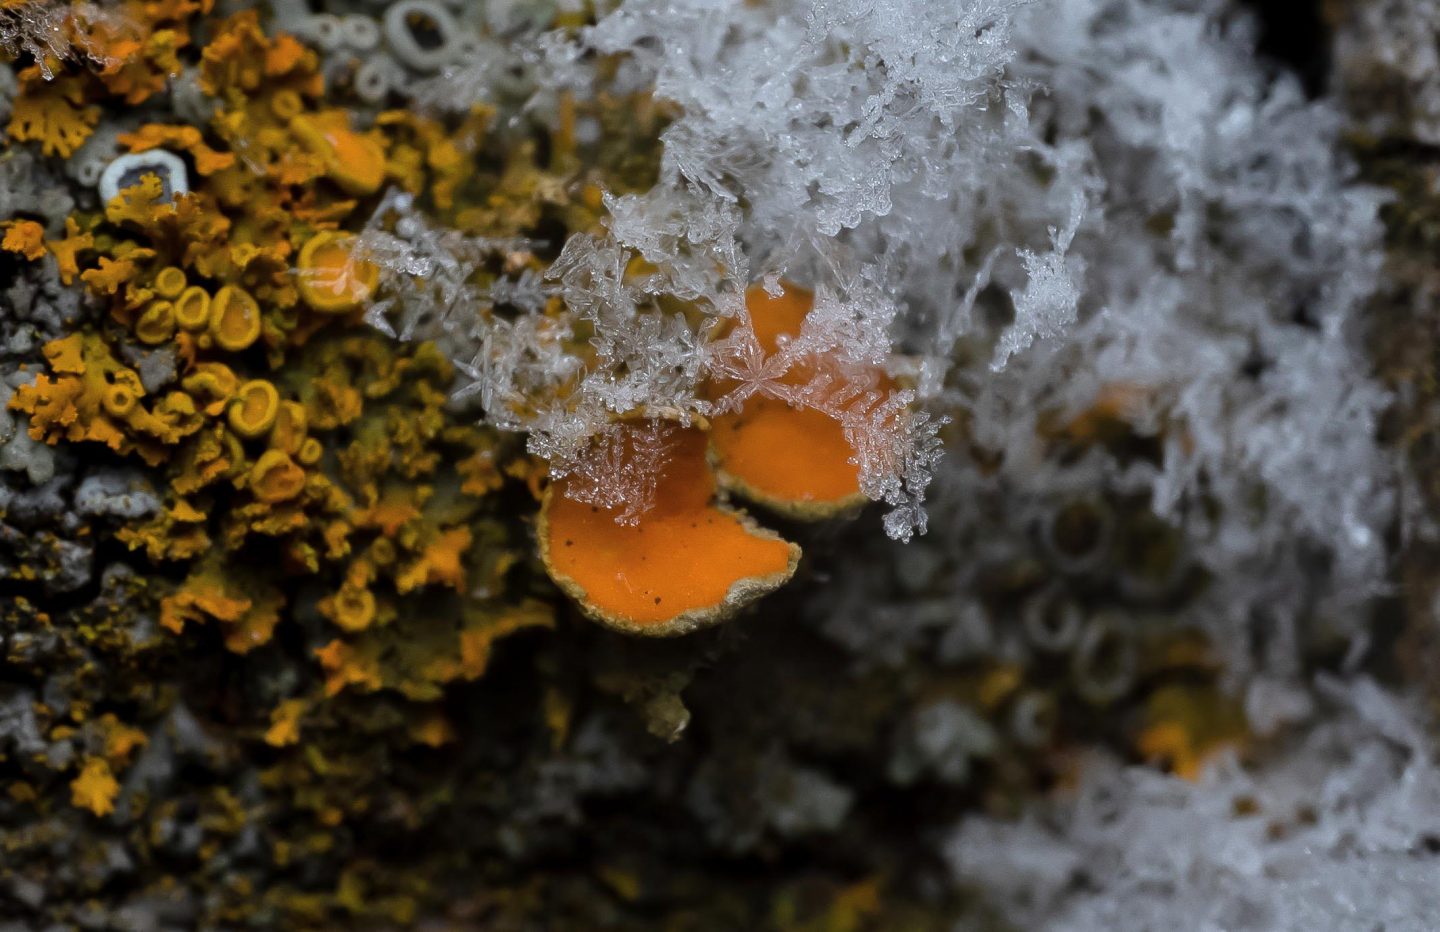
<point x="1337" y="830"/>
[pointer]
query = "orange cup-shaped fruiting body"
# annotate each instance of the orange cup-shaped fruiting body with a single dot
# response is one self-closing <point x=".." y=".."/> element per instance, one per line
<point x="685" y="564"/>
<point x="331" y="279"/>
<point x="796" y="461"/>
<point x="253" y="411"/>
<point x="170" y="282"/>
<point x="352" y="608"/>
<point x="234" y="318"/>
<point x="192" y="309"/>
<point x="119" y="400"/>
<point x="275" y="478"/>
<point x="310" y="452"/>
<point x="289" y="433"/>
<point x="156" y="324"/>
<point x="352" y="160"/>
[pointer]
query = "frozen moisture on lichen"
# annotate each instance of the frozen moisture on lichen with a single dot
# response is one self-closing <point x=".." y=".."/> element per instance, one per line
<point x="1332" y="831"/>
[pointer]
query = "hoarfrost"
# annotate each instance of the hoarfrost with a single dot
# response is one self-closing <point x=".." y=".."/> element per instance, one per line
<point x="1015" y="207"/>
<point x="1334" y="831"/>
<point x="56" y="30"/>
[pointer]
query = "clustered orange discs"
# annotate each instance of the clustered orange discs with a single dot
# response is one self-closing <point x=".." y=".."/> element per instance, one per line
<point x="687" y="563"/>
<point x="796" y="461"/>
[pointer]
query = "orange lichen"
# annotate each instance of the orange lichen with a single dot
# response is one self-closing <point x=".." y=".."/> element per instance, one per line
<point x="121" y="740"/>
<point x="154" y="135"/>
<point x="110" y="276"/>
<point x="331" y="279"/>
<point x="66" y="251"/>
<point x="352" y="608"/>
<point x="212" y="385"/>
<point x="95" y="788"/>
<point x="285" y="723"/>
<point x="346" y="665"/>
<point x="170" y="282"/>
<point x="52" y="113"/>
<point x="796" y="461"/>
<point x="1187" y="727"/>
<point x="239" y="57"/>
<point x="156" y="324"/>
<point x="288" y="433"/>
<point x="440" y="563"/>
<point x="276" y="478"/>
<point x="192" y="309"/>
<point x="25" y="237"/>
<point x="482" y="630"/>
<point x="254" y="409"/>
<point x="248" y="609"/>
<point x="95" y="398"/>
<point x="354" y="161"/>
<point x="688" y="562"/>
<point x="234" y="318"/>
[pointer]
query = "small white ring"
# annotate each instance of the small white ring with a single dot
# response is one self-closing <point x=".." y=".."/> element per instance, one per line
<point x="167" y="166"/>
<point x="403" y="43"/>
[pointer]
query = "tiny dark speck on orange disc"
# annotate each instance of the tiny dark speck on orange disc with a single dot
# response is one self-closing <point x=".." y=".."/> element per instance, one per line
<point x="670" y="573"/>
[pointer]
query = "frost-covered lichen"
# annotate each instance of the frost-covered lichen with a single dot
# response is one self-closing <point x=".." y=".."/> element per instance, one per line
<point x="351" y="353"/>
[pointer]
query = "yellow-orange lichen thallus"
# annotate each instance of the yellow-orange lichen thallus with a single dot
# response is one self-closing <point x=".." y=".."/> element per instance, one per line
<point x="689" y="562"/>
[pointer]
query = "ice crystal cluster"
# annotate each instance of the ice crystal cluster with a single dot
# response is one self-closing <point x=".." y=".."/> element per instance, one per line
<point x="1336" y="832"/>
<point x="1018" y="208"/>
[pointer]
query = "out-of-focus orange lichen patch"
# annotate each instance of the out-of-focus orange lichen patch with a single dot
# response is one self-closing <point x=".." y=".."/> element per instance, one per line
<point x="136" y="67"/>
<point x="350" y="665"/>
<point x="432" y="729"/>
<point x="354" y="161"/>
<point x="1187" y="726"/>
<point x="248" y="609"/>
<point x="121" y="740"/>
<point x="95" y="788"/>
<point x="1112" y="411"/>
<point x="208" y="161"/>
<point x="351" y="609"/>
<point x="482" y="629"/>
<point x="284" y="727"/>
<point x="205" y="594"/>
<point x="794" y="460"/>
<point x="132" y="45"/>
<point x="331" y="279"/>
<point x="239" y="58"/>
<point x="53" y="113"/>
<point x="25" y="237"/>
<point x="687" y="563"/>
<point x="440" y="563"/>
<point x="178" y="533"/>
<point x="425" y="155"/>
